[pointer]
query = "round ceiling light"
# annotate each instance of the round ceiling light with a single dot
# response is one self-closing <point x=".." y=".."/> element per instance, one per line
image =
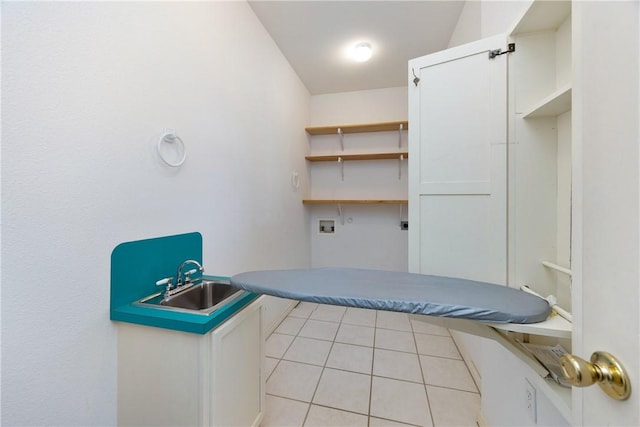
<point x="361" y="52"/>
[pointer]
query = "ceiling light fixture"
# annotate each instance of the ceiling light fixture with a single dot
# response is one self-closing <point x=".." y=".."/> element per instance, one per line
<point x="361" y="52"/>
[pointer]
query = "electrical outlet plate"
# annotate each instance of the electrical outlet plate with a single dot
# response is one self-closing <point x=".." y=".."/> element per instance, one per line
<point x="327" y="226"/>
<point x="530" y="396"/>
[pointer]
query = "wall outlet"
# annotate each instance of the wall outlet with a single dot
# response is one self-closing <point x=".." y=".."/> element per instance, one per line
<point x="530" y="395"/>
<point x="326" y="226"/>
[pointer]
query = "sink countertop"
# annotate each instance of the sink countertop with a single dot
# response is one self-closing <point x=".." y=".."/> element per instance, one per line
<point x="181" y="321"/>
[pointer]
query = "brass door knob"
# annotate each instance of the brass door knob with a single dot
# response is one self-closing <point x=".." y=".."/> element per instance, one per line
<point x="604" y="369"/>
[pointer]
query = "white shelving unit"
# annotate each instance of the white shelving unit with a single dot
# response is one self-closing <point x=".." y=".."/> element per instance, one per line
<point x="540" y="171"/>
<point x="540" y="155"/>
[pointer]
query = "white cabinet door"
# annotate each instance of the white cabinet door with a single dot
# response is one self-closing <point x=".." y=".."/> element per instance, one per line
<point x="160" y="381"/>
<point x="237" y="380"/>
<point x="458" y="163"/>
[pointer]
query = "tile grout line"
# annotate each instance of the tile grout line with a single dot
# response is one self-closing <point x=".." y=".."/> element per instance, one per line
<point x="285" y="351"/>
<point x="452" y="389"/>
<point x="373" y="358"/>
<point x="340" y="323"/>
<point x="323" y="367"/>
<point x="424" y="380"/>
<point x="466" y="366"/>
<point x="280" y="359"/>
<point x="314" y="391"/>
<point x="371" y="370"/>
<point x="461" y="359"/>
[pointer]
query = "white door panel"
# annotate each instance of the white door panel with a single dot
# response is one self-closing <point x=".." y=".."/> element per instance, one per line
<point x="466" y="239"/>
<point x="457" y="170"/>
<point x="453" y="146"/>
<point x="606" y="205"/>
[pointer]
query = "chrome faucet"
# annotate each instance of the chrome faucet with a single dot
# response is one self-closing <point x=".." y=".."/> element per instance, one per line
<point x="170" y="290"/>
<point x="188" y="273"/>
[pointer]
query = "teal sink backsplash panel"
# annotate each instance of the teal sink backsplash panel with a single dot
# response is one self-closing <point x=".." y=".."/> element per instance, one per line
<point x="137" y="266"/>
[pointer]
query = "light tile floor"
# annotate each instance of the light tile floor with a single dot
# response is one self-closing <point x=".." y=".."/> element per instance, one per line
<point x="336" y="366"/>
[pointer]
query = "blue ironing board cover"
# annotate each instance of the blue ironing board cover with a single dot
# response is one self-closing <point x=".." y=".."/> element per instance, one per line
<point x="397" y="291"/>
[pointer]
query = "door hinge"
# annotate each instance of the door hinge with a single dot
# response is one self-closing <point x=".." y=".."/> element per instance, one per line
<point x="511" y="47"/>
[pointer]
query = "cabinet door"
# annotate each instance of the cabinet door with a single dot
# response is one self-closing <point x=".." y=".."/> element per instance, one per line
<point x="237" y="382"/>
<point x="458" y="163"/>
<point x="159" y="376"/>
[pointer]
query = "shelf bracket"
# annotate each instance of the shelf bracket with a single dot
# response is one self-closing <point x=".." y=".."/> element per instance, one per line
<point x="511" y="47"/>
<point x="341" y="136"/>
<point x="400" y="166"/>
<point x="341" y="162"/>
<point x="400" y="135"/>
<point x="340" y="213"/>
<point x="400" y="219"/>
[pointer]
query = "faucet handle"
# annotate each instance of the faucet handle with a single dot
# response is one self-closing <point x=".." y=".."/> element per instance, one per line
<point x="187" y="275"/>
<point x="165" y="281"/>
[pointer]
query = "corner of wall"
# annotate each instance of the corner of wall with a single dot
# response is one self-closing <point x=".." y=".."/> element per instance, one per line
<point x="484" y="18"/>
<point x="468" y="28"/>
<point x="497" y="17"/>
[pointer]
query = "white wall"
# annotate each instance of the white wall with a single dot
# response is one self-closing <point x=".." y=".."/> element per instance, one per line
<point x="504" y="393"/>
<point x="485" y="18"/>
<point x="498" y="17"/>
<point x="365" y="106"/>
<point x="370" y="236"/>
<point x="86" y="88"/>
<point x="468" y="27"/>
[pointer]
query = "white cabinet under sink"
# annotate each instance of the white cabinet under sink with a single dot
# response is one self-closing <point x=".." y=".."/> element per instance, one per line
<point x="169" y="378"/>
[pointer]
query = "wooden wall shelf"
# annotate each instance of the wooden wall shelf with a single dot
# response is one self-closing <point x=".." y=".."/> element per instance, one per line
<point x="369" y="127"/>
<point x="371" y="156"/>
<point x="354" y="202"/>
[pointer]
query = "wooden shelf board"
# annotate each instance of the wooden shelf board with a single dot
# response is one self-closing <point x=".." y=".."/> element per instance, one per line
<point x="353" y="202"/>
<point x="371" y="156"/>
<point x="367" y="127"/>
<point x="555" y="104"/>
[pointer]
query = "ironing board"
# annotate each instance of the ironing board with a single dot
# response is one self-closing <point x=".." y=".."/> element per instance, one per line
<point x="397" y="291"/>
